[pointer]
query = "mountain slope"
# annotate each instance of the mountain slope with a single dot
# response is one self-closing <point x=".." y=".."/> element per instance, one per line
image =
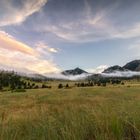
<point x="114" y="68"/>
<point x="76" y="71"/>
<point x="133" y="65"/>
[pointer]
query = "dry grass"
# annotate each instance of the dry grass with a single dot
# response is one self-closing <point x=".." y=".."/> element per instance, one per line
<point x="97" y="113"/>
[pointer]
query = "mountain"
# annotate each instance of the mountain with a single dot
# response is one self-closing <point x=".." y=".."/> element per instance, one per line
<point x="114" y="68"/>
<point x="76" y="71"/>
<point x="133" y="65"/>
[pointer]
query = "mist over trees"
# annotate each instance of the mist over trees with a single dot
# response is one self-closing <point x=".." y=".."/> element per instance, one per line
<point x="12" y="81"/>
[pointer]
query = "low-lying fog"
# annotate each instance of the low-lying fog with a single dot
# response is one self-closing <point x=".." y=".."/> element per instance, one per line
<point x="83" y="76"/>
<point x="121" y="74"/>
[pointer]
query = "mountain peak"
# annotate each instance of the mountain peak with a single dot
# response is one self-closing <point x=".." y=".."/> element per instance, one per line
<point x="76" y="71"/>
<point x="131" y="66"/>
<point x="77" y="68"/>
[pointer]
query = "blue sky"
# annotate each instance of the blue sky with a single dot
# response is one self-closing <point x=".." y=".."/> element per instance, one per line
<point x="49" y="36"/>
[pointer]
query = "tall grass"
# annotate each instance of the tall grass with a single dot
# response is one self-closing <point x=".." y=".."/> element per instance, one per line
<point x="80" y="114"/>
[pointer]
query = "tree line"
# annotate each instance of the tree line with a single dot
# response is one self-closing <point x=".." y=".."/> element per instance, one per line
<point x="12" y="81"/>
<point x="101" y="82"/>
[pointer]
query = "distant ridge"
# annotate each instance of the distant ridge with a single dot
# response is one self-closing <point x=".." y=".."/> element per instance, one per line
<point x="76" y="71"/>
<point x="114" y="68"/>
<point x="131" y="66"/>
<point x="131" y="69"/>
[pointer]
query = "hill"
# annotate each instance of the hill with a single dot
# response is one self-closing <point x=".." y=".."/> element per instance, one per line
<point x="114" y="68"/>
<point x="76" y="71"/>
<point x="133" y="65"/>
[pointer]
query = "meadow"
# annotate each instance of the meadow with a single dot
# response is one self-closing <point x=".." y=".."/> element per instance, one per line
<point x="85" y="113"/>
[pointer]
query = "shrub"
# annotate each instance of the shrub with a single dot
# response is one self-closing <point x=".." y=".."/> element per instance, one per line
<point x="67" y="86"/>
<point x="60" y="86"/>
<point x="44" y="86"/>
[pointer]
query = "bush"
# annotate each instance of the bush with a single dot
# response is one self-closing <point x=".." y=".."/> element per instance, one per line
<point x="98" y="84"/>
<point x="60" y="86"/>
<point x="122" y="83"/>
<point x="44" y="86"/>
<point x="67" y="86"/>
<point x="1" y="88"/>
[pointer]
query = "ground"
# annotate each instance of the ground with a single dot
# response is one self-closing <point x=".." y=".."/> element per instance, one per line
<point x="88" y="113"/>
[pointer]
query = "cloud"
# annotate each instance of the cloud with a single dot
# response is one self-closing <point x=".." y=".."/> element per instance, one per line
<point x="74" y="32"/>
<point x="93" y="23"/>
<point x="87" y="27"/>
<point x="45" y="49"/>
<point x="92" y="30"/>
<point x="20" y="56"/>
<point x="9" y="43"/>
<point x="99" y="69"/>
<point x="53" y="50"/>
<point x="16" y="13"/>
<point x="121" y="74"/>
<point x="90" y="25"/>
<point x="68" y="77"/>
<point x="129" y="32"/>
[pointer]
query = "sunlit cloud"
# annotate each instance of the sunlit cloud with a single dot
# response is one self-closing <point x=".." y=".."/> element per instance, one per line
<point x="53" y="50"/>
<point x="18" y="55"/>
<point x="9" y="43"/>
<point x="50" y="26"/>
<point x="45" y="49"/>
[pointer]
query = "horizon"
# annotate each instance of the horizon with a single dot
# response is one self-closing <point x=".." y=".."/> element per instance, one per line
<point x="49" y="36"/>
<point x="97" y="70"/>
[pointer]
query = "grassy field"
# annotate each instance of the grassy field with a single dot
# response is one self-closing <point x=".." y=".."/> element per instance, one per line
<point x="93" y="113"/>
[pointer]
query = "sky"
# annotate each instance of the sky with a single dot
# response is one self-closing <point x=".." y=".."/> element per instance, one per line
<point x="48" y="36"/>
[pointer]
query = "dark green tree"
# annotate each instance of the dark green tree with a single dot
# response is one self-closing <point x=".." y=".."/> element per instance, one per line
<point x="60" y="86"/>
